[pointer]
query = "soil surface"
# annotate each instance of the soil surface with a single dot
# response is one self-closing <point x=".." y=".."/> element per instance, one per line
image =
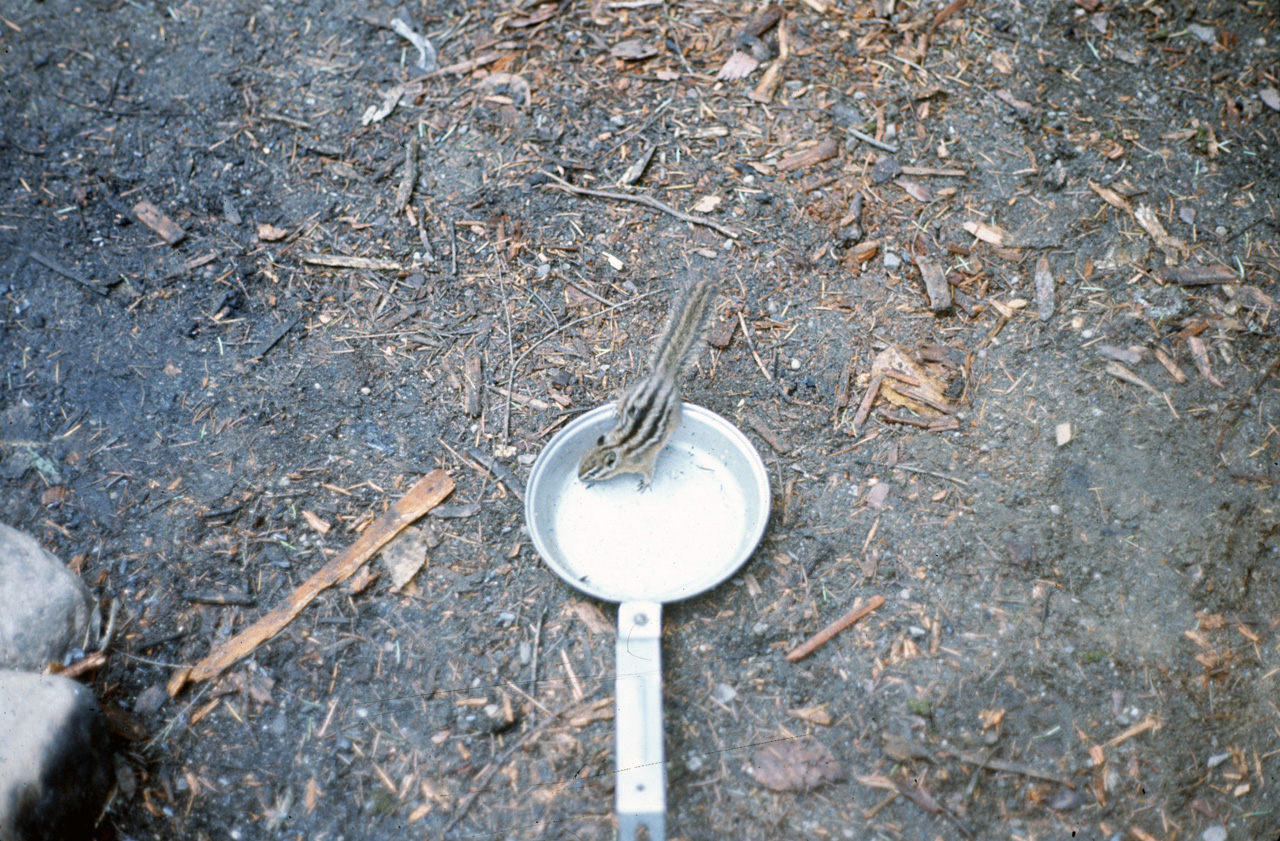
<point x="1075" y="524"/>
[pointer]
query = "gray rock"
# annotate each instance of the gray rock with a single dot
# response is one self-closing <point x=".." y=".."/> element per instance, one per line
<point x="56" y="769"/>
<point x="44" y="610"/>
<point x="892" y="260"/>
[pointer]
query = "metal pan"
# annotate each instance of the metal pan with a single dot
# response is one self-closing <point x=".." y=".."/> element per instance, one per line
<point x="692" y="528"/>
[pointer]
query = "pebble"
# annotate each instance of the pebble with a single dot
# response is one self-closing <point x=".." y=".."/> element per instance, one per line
<point x="1217" y="832"/>
<point x="1206" y="34"/>
<point x="892" y="260"/>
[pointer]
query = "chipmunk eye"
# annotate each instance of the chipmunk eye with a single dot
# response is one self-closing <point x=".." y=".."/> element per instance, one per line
<point x="600" y="441"/>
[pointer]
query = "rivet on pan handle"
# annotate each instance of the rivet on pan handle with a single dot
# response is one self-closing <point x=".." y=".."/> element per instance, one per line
<point x="641" y="784"/>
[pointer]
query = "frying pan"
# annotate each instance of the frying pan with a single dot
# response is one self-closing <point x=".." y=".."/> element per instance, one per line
<point x="692" y="528"/>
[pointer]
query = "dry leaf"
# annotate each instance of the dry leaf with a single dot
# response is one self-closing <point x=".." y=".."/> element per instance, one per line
<point x="1171" y="246"/>
<point x="814" y="715"/>
<point x="1120" y="372"/>
<point x="270" y="233"/>
<point x="924" y="399"/>
<point x="633" y="49"/>
<point x="1111" y="197"/>
<point x="706" y="204"/>
<point x="1270" y="97"/>
<point x="991" y="718"/>
<point x="1001" y="62"/>
<point x="739" y="65"/>
<point x="311" y="796"/>
<point x="379" y="112"/>
<point x="405" y="555"/>
<point x="794" y="765"/>
<point x="1006" y="96"/>
<point x="919" y="192"/>
<point x="987" y="233"/>
<point x="171" y="370"/>
<point x="591" y="616"/>
<point x="1200" y="354"/>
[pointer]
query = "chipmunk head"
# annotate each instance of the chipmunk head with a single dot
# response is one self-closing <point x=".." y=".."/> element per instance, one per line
<point x="601" y="462"/>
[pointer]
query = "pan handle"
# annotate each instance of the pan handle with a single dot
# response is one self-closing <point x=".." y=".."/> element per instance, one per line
<point x="641" y="784"/>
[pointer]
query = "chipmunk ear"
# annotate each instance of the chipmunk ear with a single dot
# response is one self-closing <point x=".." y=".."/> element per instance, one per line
<point x="610" y="460"/>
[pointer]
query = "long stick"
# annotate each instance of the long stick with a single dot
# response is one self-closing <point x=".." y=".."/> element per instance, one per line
<point x="639" y="198"/>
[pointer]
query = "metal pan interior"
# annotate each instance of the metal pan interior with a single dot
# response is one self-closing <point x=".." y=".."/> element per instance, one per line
<point x="688" y="531"/>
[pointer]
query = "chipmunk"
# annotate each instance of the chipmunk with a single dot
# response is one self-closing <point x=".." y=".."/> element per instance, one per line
<point x="649" y="411"/>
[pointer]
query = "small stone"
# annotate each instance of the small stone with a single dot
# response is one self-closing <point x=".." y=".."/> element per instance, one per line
<point x="1207" y="34"/>
<point x="1217" y="832"/>
<point x="892" y="260"/>
<point x="724" y="693"/>
<point x="1065" y="800"/>
<point x="151" y="700"/>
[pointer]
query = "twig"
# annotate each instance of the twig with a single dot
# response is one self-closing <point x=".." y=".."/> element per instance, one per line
<point x="511" y="377"/>
<point x="822" y="637"/>
<point x="50" y="263"/>
<point x="751" y="344"/>
<point x="640" y="198"/>
<point x="904" y="467"/>
<point x="871" y="141"/>
<point x="453" y="248"/>
<point x="342" y="261"/>
<point x="498" y="469"/>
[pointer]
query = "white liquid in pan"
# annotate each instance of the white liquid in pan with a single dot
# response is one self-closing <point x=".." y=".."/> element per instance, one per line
<point x="665" y="543"/>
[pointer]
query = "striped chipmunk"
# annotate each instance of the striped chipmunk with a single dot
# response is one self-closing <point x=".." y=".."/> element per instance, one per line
<point x="649" y="411"/>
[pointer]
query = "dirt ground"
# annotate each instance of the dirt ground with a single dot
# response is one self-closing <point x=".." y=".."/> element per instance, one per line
<point x="1079" y="638"/>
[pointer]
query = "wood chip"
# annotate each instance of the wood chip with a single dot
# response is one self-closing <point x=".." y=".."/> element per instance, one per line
<point x="1120" y="372"/>
<point x="1201" y="275"/>
<point x="1176" y="372"/>
<point x="935" y="285"/>
<point x="1045" y="289"/>
<point x="151" y="216"/>
<point x="987" y="233"/>
<point x="1111" y="197"/>
<point x="825" y="150"/>
<point x="1172" y="247"/>
<point x="471" y="385"/>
